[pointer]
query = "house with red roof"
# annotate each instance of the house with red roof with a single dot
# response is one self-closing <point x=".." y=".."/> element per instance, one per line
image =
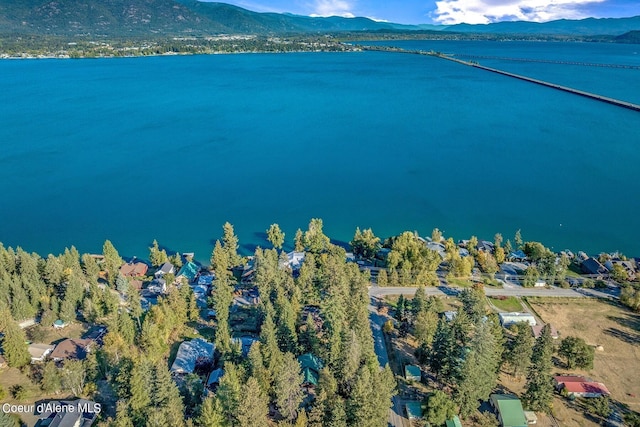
<point x="577" y="386"/>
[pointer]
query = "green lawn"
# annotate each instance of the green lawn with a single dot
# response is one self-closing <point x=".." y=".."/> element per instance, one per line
<point x="463" y="283"/>
<point x="509" y="304"/>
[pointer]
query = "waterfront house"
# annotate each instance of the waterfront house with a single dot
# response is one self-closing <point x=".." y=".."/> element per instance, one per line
<point x="39" y="352"/>
<point x="629" y="267"/>
<point x="131" y="269"/>
<point x="518" y="256"/>
<point x="509" y="410"/>
<point x="166" y="268"/>
<point x="508" y="319"/>
<point x="189" y="271"/>
<point x="190" y="354"/>
<point x="485" y="246"/>
<point x="593" y="267"/>
<point x="437" y="247"/>
<point x="71" y="349"/>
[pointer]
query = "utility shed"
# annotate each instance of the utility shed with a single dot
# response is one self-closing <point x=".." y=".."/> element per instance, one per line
<point x="509" y="409"/>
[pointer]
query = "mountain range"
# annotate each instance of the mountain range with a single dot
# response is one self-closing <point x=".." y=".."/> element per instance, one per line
<point x="193" y="17"/>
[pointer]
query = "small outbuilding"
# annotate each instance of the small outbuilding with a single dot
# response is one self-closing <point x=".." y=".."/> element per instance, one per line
<point x="412" y="373"/>
<point x="509" y="410"/>
<point x="414" y="410"/>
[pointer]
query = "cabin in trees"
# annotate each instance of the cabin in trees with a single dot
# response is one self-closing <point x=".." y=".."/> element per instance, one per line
<point x="131" y="269"/>
<point x="166" y="268"/>
<point x="294" y="260"/>
<point x="508" y="319"/>
<point x="190" y="354"/>
<point x="577" y="386"/>
<point x="509" y="410"/>
<point x="311" y="367"/>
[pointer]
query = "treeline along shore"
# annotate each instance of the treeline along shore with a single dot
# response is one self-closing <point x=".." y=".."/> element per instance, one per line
<point x="276" y="338"/>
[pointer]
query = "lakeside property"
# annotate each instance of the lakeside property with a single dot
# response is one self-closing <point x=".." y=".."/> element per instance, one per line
<point x="195" y="331"/>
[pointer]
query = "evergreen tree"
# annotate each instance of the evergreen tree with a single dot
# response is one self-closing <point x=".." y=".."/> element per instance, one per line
<point x="166" y="398"/>
<point x="288" y="387"/>
<point x="444" y="352"/>
<point x="230" y="244"/>
<point x="112" y="261"/>
<point x="419" y="300"/>
<point x="13" y="342"/>
<point x="253" y="408"/>
<point x="440" y="408"/>
<point x="299" y="241"/>
<point x="50" y="382"/>
<point x="275" y="236"/>
<point x="539" y="393"/>
<point x="211" y="414"/>
<point x="141" y="383"/>
<point x="123" y="419"/>
<point x="519" y="354"/>
<point x="382" y="279"/>
<point x="230" y="392"/>
<point x="479" y="371"/>
<point x="577" y="353"/>
<point x="425" y="327"/>
<point x="157" y="256"/>
<point x="365" y="244"/>
<point x="314" y="238"/>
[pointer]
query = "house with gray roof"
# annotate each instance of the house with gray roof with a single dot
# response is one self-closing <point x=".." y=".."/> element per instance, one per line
<point x="190" y="353"/>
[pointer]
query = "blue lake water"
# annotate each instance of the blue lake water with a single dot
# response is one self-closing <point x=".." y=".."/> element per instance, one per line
<point x="172" y="147"/>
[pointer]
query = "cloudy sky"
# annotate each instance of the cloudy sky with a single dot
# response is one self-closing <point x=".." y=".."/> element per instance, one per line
<point x="450" y="11"/>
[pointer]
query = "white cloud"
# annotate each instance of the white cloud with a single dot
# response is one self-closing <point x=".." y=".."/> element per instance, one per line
<point x="333" y="8"/>
<point x="450" y="12"/>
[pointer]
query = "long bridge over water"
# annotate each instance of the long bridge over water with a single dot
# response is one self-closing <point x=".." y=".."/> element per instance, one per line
<point x="612" y="101"/>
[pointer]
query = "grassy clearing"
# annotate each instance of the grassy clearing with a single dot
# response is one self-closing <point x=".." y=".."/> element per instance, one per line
<point x="606" y="324"/>
<point x="509" y="304"/>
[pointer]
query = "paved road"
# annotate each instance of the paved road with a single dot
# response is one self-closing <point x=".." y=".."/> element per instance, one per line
<point x="376" y="320"/>
<point x="512" y="290"/>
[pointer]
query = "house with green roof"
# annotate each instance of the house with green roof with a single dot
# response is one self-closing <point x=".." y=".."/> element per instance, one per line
<point x="509" y="409"/>
<point x="311" y="366"/>
<point x="412" y="373"/>
<point x="414" y="410"/>
<point x="189" y="271"/>
<point x="454" y="422"/>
